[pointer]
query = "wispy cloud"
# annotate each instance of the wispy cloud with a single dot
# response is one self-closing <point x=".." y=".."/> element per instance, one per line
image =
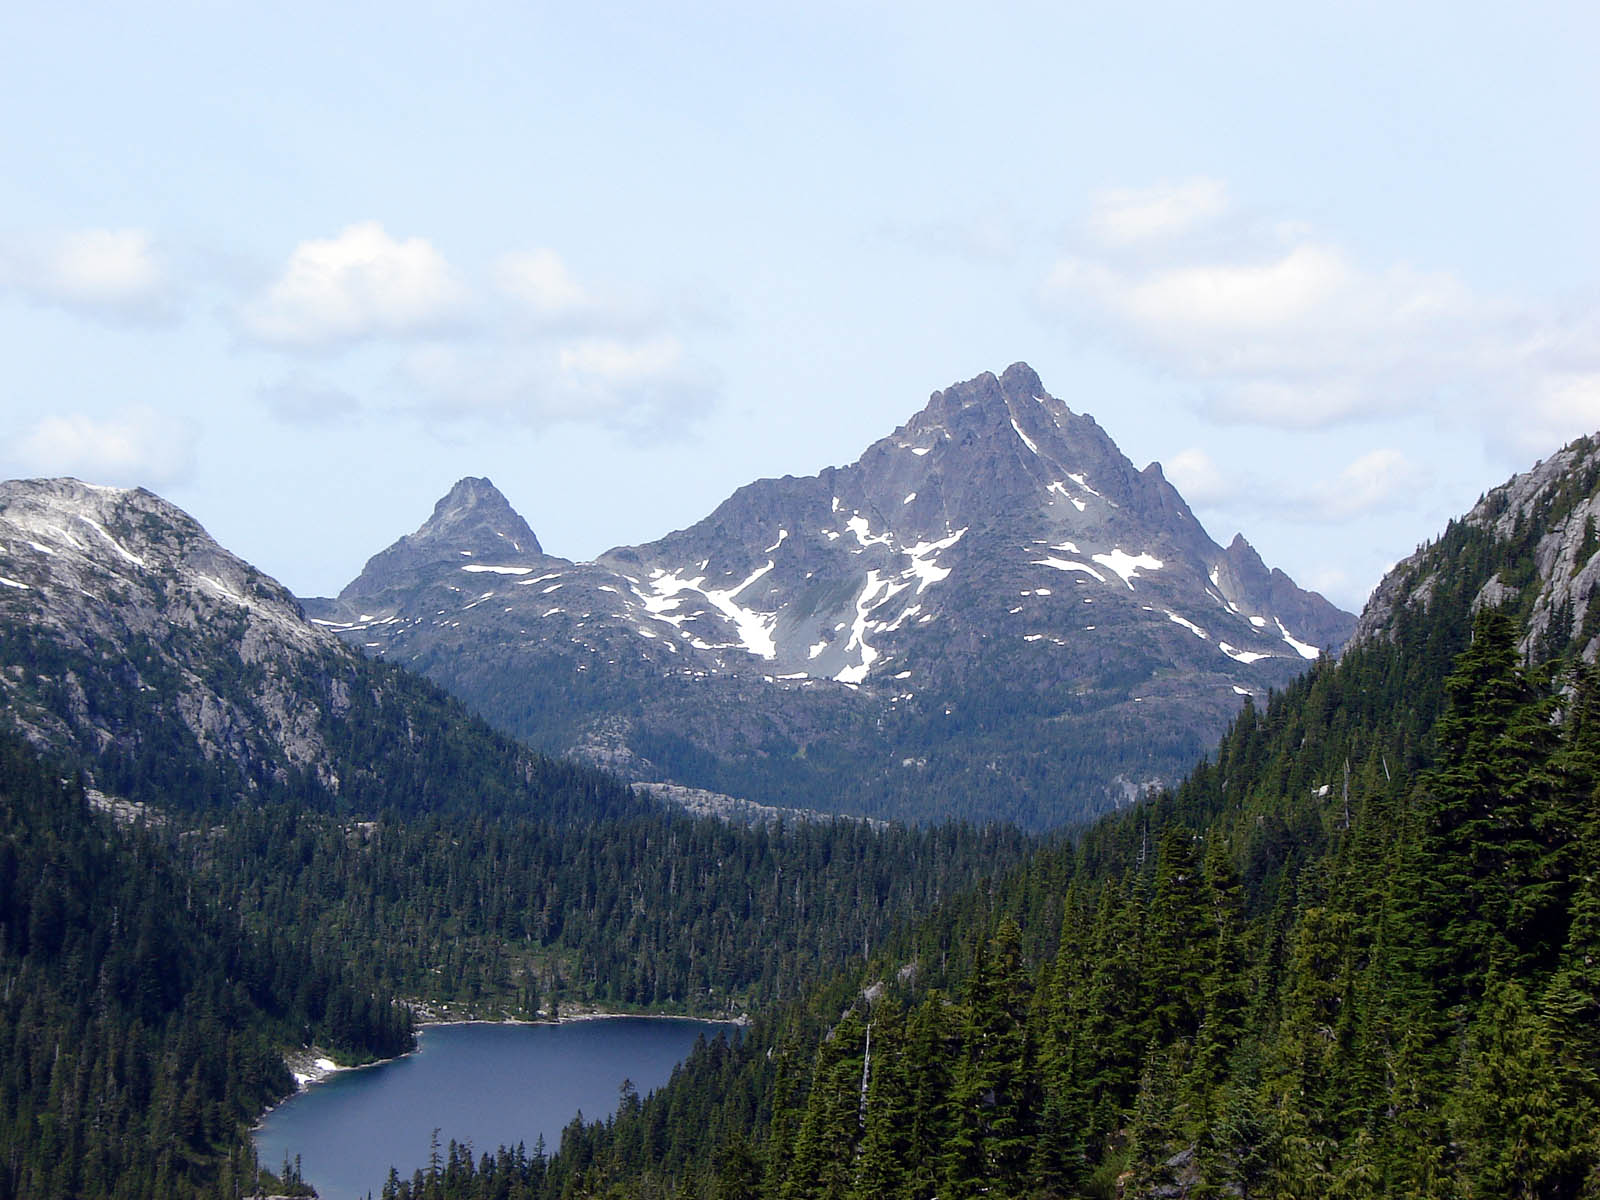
<point x="1379" y="479"/>
<point x="544" y="293"/>
<point x="116" y="275"/>
<point x="1199" y="479"/>
<point x="526" y="344"/>
<point x="1275" y="326"/>
<point x="1122" y="216"/>
<point x="137" y="447"/>
<point x="645" y="388"/>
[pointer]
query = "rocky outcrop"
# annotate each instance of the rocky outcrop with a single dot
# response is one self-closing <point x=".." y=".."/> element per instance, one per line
<point x="112" y="598"/>
<point x="1537" y="536"/>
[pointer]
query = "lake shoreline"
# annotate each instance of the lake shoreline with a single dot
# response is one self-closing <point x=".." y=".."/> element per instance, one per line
<point x="311" y="1065"/>
<point x="486" y="1081"/>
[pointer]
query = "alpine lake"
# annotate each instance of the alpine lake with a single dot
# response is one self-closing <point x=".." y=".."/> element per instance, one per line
<point x="481" y="1084"/>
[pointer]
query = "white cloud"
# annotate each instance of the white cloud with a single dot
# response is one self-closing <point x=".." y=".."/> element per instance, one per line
<point x="139" y="447"/>
<point x="539" y="279"/>
<point x="1121" y="216"/>
<point x="559" y="350"/>
<point x="1272" y="325"/>
<point x="1332" y="582"/>
<point x="1231" y="299"/>
<point x="544" y="292"/>
<point x="115" y="274"/>
<point x="609" y="362"/>
<point x="1566" y="406"/>
<point x="1379" y="479"/>
<point x="360" y="284"/>
<point x="645" y="388"/>
<point x="1198" y="479"/>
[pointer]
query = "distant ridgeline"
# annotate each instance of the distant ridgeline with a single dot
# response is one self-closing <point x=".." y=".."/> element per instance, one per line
<point x="246" y="838"/>
<point x="1355" y="954"/>
<point x="990" y="615"/>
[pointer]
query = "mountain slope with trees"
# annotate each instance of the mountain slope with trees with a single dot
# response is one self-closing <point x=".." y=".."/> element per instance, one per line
<point x="141" y="1028"/>
<point x="1355" y="954"/>
<point x="246" y="838"/>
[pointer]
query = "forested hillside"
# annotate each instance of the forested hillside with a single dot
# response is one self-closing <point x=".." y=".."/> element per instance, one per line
<point x="1356" y="954"/>
<point x="659" y="911"/>
<point x="306" y="841"/>
<point x="141" y="1029"/>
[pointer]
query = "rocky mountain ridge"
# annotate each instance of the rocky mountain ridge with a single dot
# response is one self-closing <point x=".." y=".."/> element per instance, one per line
<point x="990" y="593"/>
<point x="173" y="675"/>
<point x="96" y="579"/>
<point x="1535" y="540"/>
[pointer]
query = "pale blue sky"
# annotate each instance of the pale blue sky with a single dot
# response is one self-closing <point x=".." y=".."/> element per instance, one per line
<point x="300" y="268"/>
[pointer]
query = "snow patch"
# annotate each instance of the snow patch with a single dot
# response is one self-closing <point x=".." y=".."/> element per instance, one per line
<point x="782" y="533"/>
<point x="1242" y="656"/>
<point x="482" y="567"/>
<point x="1127" y="565"/>
<point x="926" y="571"/>
<point x="1301" y="648"/>
<point x="12" y="583"/>
<point x="1189" y="625"/>
<point x="910" y="496"/>
<point x="905" y="615"/>
<point x="865" y="603"/>
<point x="1083" y="483"/>
<point x="1061" y="490"/>
<point x="127" y="555"/>
<point x="919" y="451"/>
<point x="1062" y="564"/>
<point x="754" y="629"/>
<point x="1026" y="440"/>
<point x="858" y="526"/>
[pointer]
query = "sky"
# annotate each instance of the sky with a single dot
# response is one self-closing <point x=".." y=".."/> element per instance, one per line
<point x="297" y="268"/>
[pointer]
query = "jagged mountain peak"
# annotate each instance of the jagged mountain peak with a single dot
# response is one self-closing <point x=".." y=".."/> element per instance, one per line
<point x="991" y="447"/>
<point x="474" y="511"/>
<point x="995" y="563"/>
<point x="473" y="523"/>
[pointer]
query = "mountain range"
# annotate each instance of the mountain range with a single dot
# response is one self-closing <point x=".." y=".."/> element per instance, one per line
<point x="991" y="613"/>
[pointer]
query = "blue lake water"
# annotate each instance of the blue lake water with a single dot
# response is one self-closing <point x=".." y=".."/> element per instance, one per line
<point x="489" y="1085"/>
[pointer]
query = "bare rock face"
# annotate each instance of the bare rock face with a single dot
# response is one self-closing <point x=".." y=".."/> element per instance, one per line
<point x="473" y="520"/>
<point x="992" y="613"/>
<point x="113" y="599"/>
<point x="1532" y="543"/>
